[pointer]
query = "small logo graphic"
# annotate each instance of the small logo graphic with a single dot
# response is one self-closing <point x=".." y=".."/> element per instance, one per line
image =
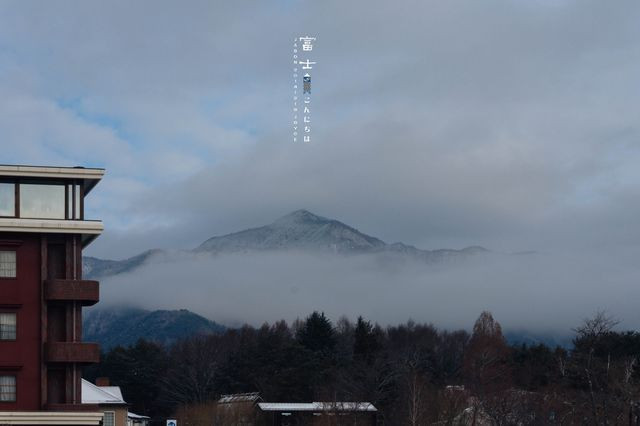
<point x="306" y="84"/>
<point x="172" y="422"/>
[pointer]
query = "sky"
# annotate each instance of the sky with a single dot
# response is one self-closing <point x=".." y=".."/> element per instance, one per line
<point x="509" y="124"/>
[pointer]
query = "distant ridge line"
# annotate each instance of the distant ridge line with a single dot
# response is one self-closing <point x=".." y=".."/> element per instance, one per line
<point x="300" y="230"/>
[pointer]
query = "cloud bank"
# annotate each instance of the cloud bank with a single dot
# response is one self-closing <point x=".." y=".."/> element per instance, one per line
<point x="541" y="292"/>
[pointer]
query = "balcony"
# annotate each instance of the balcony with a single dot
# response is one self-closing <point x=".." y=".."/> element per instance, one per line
<point x="84" y="353"/>
<point x="85" y="292"/>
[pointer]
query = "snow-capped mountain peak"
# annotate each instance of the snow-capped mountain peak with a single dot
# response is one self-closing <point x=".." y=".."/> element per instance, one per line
<point x="300" y="231"/>
<point x="300" y="217"/>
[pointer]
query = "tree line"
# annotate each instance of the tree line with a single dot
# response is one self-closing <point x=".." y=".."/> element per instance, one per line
<point x="415" y="374"/>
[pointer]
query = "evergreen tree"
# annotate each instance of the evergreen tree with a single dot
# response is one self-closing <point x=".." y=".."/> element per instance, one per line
<point x="366" y="342"/>
<point x="137" y="370"/>
<point x="317" y="334"/>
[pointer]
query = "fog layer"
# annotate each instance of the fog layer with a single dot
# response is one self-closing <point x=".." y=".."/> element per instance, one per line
<point x="548" y="293"/>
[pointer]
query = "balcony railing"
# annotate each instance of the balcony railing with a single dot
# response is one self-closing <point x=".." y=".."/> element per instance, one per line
<point x="86" y="353"/>
<point x="85" y="292"/>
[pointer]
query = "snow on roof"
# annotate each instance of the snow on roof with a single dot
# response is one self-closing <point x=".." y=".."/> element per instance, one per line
<point x="317" y="406"/>
<point x="92" y="394"/>
<point x="136" y="416"/>
<point x="239" y="397"/>
<point x="113" y="390"/>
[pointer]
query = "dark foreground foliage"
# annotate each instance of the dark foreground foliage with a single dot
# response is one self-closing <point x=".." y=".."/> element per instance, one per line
<point x="414" y="373"/>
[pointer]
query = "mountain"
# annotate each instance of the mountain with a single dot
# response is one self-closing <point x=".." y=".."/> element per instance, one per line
<point x="124" y="326"/>
<point x="300" y="230"/>
<point x="529" y="338"/>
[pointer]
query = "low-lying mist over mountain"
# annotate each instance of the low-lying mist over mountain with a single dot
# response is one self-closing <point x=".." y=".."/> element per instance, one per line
<point x="300" y="231"/>
<point x="303" y="262"/>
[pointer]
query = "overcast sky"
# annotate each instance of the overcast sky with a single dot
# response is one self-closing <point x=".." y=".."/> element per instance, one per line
<point x="510" y="124"/>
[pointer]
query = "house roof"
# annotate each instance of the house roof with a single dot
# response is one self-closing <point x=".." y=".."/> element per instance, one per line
<point x="136" y="416"/>
<point x="92" y="394"/>
<point x="113" y="390"/>
<point x="316" y="406"/>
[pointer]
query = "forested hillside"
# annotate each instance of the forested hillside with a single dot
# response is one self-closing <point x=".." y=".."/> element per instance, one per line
<point x="124" y="326"/>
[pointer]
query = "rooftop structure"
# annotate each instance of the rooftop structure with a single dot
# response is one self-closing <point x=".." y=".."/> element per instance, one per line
<point x="92" y="394"/>
<point x="47" y="199"/>
<point x="317" y="406"/>
<point x="316" y="413"/>
<point x="239" y="397"/>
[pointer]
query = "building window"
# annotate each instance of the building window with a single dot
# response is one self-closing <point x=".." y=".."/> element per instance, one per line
<point x="7" y="388"/>
<point x="7" y="264"/>
<point x="8" y="326"/>
<point x="8" y="199"/>
<point x="109" y="418"/>
<point x="42" y="201"/>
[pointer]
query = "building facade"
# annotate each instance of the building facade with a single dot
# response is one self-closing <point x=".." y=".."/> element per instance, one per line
<point x="43" y="230"/>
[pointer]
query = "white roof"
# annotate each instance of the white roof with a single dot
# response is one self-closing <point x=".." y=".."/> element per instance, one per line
<point x="92" y="394"/>
<point x="136" y="416"/>
<point x="113" y="390"/>
<point x="316" y="406"/>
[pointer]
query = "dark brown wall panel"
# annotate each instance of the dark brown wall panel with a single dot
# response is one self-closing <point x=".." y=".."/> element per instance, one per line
<point x="22" y="357"/>
<point x="47" y="355"/>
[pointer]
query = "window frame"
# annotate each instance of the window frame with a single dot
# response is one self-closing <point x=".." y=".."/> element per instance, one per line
<point x="73" y="195"/>
<point x="15" y="387"/>
<point x="14" y="312"/>
<point x="46" y="184"/>
<point x="113" y="414"/>
<point x="12" y="248"/>
<point x="16" y="196"/>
